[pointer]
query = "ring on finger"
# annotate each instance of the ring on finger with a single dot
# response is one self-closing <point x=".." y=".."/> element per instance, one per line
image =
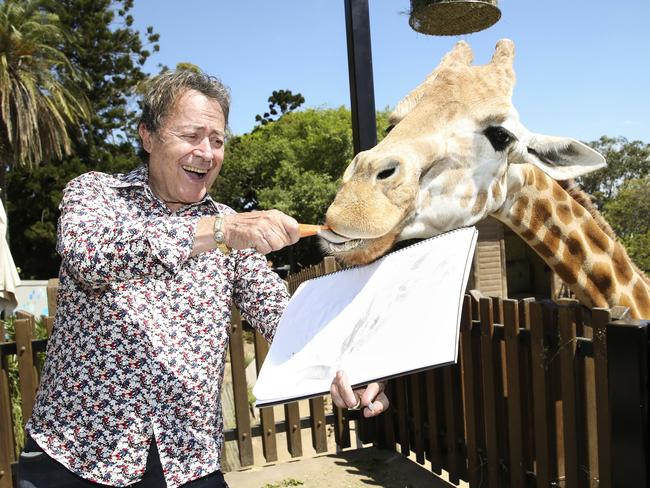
<point x="357" y="406"/>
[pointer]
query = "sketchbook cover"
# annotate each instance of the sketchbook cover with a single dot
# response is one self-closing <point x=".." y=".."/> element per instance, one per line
<point x="397" y="315"/>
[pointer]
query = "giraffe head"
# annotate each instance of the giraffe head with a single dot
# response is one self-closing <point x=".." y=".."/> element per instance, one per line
<point x="445" y="163"/>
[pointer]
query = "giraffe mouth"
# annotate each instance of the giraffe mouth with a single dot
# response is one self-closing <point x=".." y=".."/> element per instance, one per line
<point x="337" y="243"/>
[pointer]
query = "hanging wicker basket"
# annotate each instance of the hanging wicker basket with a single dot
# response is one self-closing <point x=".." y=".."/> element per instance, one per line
<point x="453" y="17"/>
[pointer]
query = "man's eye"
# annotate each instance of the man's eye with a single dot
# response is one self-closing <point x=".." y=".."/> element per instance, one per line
<point x="190" y="137"/>
<point x="499" y="137"/>
<point x="216" y="142"/>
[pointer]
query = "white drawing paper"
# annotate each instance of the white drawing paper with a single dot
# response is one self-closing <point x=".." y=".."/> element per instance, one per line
<point x="397" y="315"/>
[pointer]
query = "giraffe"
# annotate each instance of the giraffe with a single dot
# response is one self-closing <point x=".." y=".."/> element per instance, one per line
<point x="457" y="153"/>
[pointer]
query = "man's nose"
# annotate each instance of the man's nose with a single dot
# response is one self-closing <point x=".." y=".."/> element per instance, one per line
<point x="204" y="149"/>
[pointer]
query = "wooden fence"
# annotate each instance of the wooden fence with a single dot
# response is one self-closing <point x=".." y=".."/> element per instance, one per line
<point x="543" y="395"/>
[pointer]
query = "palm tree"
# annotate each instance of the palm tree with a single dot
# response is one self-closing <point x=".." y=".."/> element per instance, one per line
<point x="41" y="94"/>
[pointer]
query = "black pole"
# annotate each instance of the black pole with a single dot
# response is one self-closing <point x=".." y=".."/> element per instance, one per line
<point x="627" y="351"/>
<point x="362" y="91"/>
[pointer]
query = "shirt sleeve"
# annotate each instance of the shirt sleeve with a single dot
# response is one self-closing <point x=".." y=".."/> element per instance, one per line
<point x="98" y="247"/>
<point x="259" y="293"/>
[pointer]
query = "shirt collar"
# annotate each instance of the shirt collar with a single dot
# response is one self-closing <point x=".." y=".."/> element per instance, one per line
<point x="139" y="178"/>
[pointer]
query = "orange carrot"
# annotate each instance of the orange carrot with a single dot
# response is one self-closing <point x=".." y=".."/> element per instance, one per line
<point x="307" y="230"/>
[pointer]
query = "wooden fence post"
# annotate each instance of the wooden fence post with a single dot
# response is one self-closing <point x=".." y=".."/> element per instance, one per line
<point x="7" y="454"/>
<point x="600" y="318"/>
<point x="575" y="452"/>
<point x="627" y="351"/>
<point x="267" y="418"/>
<point x="240" y="391"/>
<point x="515" y="413"/>
<point x="24" y="326"/>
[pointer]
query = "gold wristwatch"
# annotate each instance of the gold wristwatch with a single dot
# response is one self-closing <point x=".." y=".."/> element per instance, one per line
<point x="219" y="236"/>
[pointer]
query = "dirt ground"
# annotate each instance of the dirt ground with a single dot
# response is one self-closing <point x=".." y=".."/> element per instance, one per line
<point x="357" y="468"/>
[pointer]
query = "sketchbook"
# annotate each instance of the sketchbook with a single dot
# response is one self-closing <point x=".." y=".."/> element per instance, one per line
<point x="395" y="316"/>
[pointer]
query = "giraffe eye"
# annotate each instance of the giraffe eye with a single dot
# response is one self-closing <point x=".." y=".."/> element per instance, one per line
<point x="499" y="137"/>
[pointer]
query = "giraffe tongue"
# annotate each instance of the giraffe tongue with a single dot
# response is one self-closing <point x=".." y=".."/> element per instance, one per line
<point x="333" y="237"/>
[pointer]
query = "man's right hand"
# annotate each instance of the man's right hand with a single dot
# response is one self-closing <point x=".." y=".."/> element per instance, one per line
<point x="265" y="231"/>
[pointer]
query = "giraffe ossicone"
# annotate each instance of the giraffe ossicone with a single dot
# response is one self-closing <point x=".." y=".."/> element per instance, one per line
<point x="458" y="153"/>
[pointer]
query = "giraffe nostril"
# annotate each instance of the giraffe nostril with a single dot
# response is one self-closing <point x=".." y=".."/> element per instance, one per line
<point x="386" y="173"/>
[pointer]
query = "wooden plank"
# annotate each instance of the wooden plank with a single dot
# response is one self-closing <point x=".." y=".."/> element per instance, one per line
<point x="292" y="421"/>
<point x="240" y="390"/>
<point x="7" y="454"/>
<point x="52" y="291"/>
<point x="402" y="415"/>
<point x="574" y="455"/>
<point x="470" y="361"/>
<point x="318" y="425"/>
<point x="543" y="408"/>
<point x="454" y="417"/>
<point x="600" y="318"/>
<point x="433" y="434"/>
<point x="267" y="418"/>
<point x="488" y="353"/>
<point x="26" y="367"/>
<point x="48" y="323"/>
<point x="341" y="428"/>
<point x="515" y="416"/>
<point x="415" y="401"/>
<point x="386" y="431"/>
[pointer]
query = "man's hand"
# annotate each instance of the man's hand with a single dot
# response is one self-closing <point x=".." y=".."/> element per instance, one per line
<point x="266" y="231"/>
<point x="371" y="398"/>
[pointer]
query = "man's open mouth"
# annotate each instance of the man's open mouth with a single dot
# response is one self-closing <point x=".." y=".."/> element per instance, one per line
<point x="195" y="172"/>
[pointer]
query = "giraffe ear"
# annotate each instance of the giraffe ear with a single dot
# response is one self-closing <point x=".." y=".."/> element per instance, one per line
<point x="562" y="158"/>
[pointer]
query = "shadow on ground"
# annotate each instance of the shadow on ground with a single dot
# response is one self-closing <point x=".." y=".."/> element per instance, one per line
<point x="368" y="467"/>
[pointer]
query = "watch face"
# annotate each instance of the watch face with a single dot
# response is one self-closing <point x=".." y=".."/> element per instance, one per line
<point x="218" y="236"/>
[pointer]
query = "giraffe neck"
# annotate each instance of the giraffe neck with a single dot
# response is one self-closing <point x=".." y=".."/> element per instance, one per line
<point x="570" y="240"/>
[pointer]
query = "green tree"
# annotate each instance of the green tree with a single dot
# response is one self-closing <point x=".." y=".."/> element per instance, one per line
<point x="629" y="215"/>
<point x="280" y="102"/>
<point x="41" y="91"/>
<point x="105" y="46"/>
<point x="294" y="165"/>
<point x="625" y="161"/>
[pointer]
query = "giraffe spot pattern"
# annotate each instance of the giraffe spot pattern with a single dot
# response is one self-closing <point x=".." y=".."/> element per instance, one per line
<point x="558" y="193"/>
<point x="567" y="273"/>
<point x="574" y="250"/>
<point x="642" y="297"/>
<point x="542" y="211"/>
<point x="563" y="211"/>
<point x="622" y="268"/>
<point x="519" y="210"/>
<point x="596" y="238"/>
<point x="602" y="277"/>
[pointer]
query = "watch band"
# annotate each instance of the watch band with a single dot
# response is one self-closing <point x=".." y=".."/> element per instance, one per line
<point x="219" y="235"/>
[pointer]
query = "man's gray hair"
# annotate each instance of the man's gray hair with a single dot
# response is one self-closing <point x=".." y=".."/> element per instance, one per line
<point x="165" y="89"/>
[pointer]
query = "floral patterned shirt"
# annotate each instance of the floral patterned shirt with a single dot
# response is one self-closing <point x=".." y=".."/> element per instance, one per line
<point x="141" y="332"/>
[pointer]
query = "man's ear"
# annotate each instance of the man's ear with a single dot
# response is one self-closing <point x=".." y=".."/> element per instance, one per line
<point x="145" y="136"/>
<point x="561" y="158"/>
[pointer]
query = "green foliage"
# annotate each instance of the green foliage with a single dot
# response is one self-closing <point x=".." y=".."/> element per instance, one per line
<point x="41" y="91"/>
<point x="629" y="215"/>
<point x="625" y="161"/>
<point x="294" y="165"/>
<point x="111" y="53"/>
<point x="284" y="483"/>
<point x="280" y="102"/>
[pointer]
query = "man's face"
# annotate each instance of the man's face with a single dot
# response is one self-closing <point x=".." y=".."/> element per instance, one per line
<point x="186" y="153"/>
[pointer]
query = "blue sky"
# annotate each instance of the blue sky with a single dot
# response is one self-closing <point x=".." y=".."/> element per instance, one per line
<point x="583" y="67"/>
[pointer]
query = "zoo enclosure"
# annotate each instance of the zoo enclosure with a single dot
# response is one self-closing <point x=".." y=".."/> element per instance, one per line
<point x="542" y="395"/>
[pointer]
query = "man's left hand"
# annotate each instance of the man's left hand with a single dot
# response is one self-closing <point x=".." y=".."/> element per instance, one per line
<point x="372" y="398"/>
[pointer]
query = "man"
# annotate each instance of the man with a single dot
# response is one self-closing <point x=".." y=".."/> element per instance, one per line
<point x="130" y="393"/>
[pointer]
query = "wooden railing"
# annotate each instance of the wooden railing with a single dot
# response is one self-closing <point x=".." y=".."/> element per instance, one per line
<point x="543" y="395"/>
